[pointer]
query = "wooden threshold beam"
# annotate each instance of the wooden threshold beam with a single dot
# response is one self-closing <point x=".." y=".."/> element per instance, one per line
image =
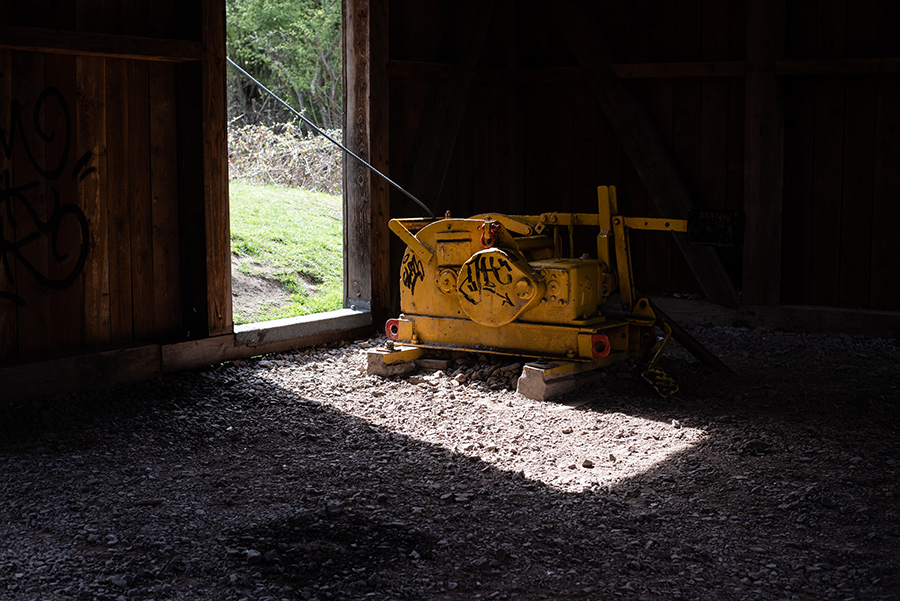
<point x="53" y="41"/>
<point x="643" y="145"/>
<point x="92" y="370"/>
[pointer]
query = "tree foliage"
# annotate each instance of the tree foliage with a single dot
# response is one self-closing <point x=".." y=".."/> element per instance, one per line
<point x="294" y="48"/>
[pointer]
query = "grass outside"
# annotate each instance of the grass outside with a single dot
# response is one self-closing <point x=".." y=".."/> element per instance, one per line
<point x="294" y="236"/>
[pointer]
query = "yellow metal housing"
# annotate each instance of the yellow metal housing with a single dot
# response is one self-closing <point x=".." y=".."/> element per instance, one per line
<point x="499" y="283"/>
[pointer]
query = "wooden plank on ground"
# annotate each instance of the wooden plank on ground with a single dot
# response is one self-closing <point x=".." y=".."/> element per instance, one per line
<point x="793" y="318"/>
<point x="80" y="373"/>
<point x="215" y="169"/>
<point x="642" y="144"/>
<point x="90" y="125"/>
<point x="764" y="156"/>
<point x="164" y="200"/>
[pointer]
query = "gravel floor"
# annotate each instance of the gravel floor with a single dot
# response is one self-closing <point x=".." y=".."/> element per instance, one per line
<point x="300" y="477"/>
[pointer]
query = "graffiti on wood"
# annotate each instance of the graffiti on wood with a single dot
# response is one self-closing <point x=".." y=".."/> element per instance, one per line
<point x="31" y="213"/>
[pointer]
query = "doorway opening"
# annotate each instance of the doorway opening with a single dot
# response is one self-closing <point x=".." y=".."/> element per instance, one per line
<point x="286" y="207"/>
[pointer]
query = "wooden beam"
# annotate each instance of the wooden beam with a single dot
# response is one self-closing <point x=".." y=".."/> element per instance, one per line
<point x="82" y="43"/>
<point x="792" y="318"/>
<point x="641" y="143"/>
<point x="383" y="285"/>
<point x="843" y="66"/>
<point x="764" y="156"/>
<point x="443" y="113"/>
<point x="81" y="372"/>
<point x="215" y="170"/>
<point x="401" y="69"/>
<point x="358" y="180"/>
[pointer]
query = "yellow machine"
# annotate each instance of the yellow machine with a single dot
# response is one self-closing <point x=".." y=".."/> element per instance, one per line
<point x="501" y="284"/>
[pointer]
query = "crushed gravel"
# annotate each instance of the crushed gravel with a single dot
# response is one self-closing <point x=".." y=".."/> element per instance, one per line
<point x="298" y="476"/>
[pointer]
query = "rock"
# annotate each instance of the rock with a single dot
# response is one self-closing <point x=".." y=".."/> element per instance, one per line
<point x="587" y="463"/>
<point x="253" y="557"/>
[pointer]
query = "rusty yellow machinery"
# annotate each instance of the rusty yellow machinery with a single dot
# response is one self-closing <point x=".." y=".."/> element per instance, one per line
<point x="506" y="285"/>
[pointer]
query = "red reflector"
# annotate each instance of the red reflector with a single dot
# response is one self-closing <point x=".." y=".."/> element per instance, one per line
<point x="599" y="345"/>
<point x="392" y="329"/>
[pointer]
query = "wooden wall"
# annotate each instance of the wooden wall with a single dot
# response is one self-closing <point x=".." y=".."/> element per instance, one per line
<point x="113" y="192"/>
<point x="785" y="109"/>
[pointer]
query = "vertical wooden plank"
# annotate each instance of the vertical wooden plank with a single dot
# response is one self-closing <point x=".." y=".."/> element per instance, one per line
<point x="30" y="206"/>
<point x="357" y="179"/>
<point x="764" y="144"/>
<point x="585" y="177"/>
<point x="687" y="121"/>
<point x="8" y="304"/>
<point x="90" y="119"/>
<point x="215" y="169"/>
<point x="859" y="158"/>
<point x="164" y="199"/>
<point x="139" y="201"/>
<point x="66" y="256"/>
<point x="714" y="108"/>
<point x="163" y="19"/>
<point x="118" y="198"/>
<point x="831" y="18"/>
<point x="655" y="276"/>
<point x="499" y="153"/>
<point x="381" y="282"/>
<point x="799" y="156"/>
<point x="537" y="116"/>
<point x="885" y="287"/>
<point x="191" y="201"/>
<point x="90" y="15"/>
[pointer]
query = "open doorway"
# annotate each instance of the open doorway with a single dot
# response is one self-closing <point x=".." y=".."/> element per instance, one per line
<point x="285" y="181"/>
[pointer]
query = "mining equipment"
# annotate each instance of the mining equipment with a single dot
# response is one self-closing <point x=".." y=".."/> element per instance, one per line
<point x="504" y="284"/>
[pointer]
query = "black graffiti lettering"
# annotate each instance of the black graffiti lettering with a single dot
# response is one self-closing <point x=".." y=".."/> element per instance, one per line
<point x="19" y="206"/>
<point x="484" y="276"/>
<point x="413" y="272"/>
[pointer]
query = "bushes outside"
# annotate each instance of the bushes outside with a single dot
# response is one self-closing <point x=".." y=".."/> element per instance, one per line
<point x="284" y="156"/>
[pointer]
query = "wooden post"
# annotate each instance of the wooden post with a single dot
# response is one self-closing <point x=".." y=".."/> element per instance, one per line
<point x="358" y="180"/>
<point x="215" y="169"/>
<point x="764" y="155"/>
<point x="381" y="282"/>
